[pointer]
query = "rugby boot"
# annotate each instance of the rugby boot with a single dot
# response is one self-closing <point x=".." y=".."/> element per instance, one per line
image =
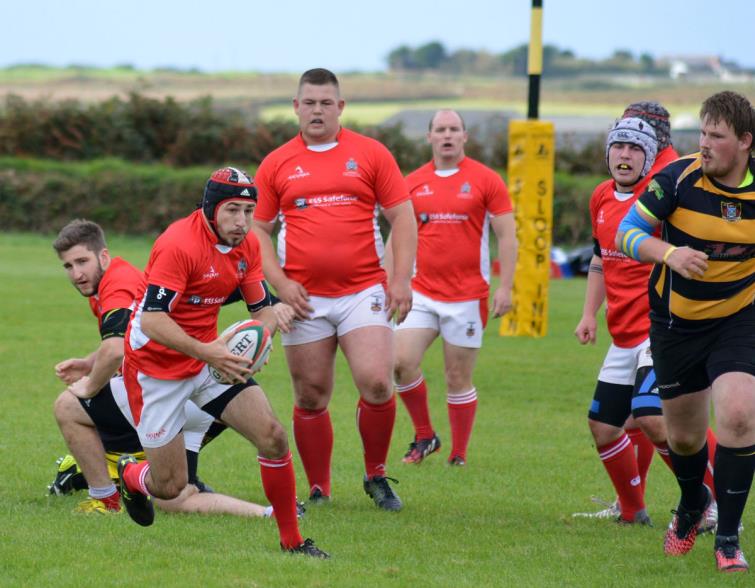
<point x="382" y="494"/>
<point x="138" y="506"/>
<point x="420" y="449"/>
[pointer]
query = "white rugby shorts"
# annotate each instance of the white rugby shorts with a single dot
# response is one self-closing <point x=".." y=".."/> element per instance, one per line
<point x="338" y="316"/>
<point x="621" y="363"/>
<point x="172" y="405"/>
<point x="459" y="323"/>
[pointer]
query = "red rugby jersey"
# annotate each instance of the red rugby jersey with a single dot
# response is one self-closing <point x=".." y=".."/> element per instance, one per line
<point x="453" y="255"/>
<point x="119" y="287"/>
<point x="187" y="259"/>
<point x="626" y="280"/>
<point x="327" y="202"/>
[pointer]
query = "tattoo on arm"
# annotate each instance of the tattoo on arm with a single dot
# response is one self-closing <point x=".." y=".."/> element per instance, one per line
<point x="596" y="268"/>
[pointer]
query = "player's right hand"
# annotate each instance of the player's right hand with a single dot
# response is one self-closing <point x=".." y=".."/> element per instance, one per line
<point x="234" y="367"/>
<point x="586" y="331"/>
<point x="688" y="262"/>
<point x="72" y="370"/>
<point x="296" y="296"/>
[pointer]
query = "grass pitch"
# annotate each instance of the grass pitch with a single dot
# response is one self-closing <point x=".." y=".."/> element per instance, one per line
<point x="504" y="520"/>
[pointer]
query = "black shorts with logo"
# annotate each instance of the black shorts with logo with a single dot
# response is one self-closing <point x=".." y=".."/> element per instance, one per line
<point x="687" y="362"/>
<point x="117" y="434"/>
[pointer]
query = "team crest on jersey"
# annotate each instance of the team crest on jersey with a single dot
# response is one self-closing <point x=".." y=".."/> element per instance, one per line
<point x="470" y="329"/>
<point x="352" y="168"/>
<point x="300" y="203"/>
<point x="731" y="211"/>
<point x="465" y="191"/>
<point x="656" y="189"/>
<point x="298" y="173"/>
<point x="241" y="268"/>
<point x="377" y="303"/>
<point x="424" y="191"/>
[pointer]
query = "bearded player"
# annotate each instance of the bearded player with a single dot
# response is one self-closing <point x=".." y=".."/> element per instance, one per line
<point x="171" y="343"/>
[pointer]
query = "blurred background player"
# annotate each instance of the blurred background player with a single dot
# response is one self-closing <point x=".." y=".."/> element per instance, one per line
<point x="93" y="425"/>
<point x="702" y="333"/>
<point x="194" y="266"/>
<point x="327" y="185"/>
<point x="456" y="201"/>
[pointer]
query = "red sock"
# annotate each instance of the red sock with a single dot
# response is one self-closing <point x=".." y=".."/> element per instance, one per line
<point x="662" y="450"/>
<point x="313" y="433"/>
<point x="134" y="476"/>
<point x="644" y="451"/>
<point x="112" y="502"/>
<point x="375" y="424"/>
<point x="414" y="397"/>
<point x="708" y="479"/>
<point x="279" y="482"/>
<point x="461" y="414"/>
<point x="621" y="464"/>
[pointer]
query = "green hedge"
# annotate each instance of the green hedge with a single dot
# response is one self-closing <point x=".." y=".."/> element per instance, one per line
<point x="43" y="195"/>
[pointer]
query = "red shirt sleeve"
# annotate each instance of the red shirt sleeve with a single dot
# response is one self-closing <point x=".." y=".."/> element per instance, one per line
<point x="268" y="199"/>
<point x="170" y="267"/>
<point x="497" y="197"/>
<point x="390" y="186"/>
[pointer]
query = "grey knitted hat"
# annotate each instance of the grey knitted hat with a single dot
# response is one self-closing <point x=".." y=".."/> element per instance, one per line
<point x="656" y="115"/>
<point x="637" y="132"/>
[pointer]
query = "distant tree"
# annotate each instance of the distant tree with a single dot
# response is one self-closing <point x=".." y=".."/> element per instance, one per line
<point x="401" y="58"/>
<point x="430" y="56"/>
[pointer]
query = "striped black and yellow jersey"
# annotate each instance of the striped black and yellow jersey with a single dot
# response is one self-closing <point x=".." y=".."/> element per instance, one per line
<point x="702" y="214"/>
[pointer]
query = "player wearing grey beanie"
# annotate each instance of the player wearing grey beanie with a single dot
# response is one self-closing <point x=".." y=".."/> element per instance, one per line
<point x="654" y="114"/>
<point x="636" y="132"/>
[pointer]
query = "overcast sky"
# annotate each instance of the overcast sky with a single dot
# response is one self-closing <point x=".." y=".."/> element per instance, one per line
<point x="294" y="35"/>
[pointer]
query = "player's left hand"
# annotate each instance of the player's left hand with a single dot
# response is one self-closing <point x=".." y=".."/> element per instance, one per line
<point x="80" y="389"/>
<point x="285" y="316"/>
<point x="72" y="369"/>
<point x="398" y="300"/>
<point x="502" y="302"/>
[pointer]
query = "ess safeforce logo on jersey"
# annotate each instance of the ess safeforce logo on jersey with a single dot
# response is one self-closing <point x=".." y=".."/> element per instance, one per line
<point x="656" y="189"/>
<point x="424" y="217"/>
<point x="731" y="211"/>
<point x="300" y="203"/>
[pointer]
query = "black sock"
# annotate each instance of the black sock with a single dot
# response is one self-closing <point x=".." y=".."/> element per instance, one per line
<point x="690" y="472"/>
<point x="732" y="474"/>
<point x="192" y="459"/>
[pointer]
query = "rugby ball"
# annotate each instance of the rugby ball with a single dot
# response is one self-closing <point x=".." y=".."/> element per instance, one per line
<point x="249" y="339"/>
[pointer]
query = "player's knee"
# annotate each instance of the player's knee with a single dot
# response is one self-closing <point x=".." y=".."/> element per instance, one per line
<point x="686" y="442"/>
<point x="274" y="444"/>
<point x="311" y="397"/>
<point x="376" y="390"/>
<point x="603" y="433"/>
<point x="64" y="405"/>
<point x="653" y="427"/>
<point x="736" y="425"/>
<point x="458" y="380"/>
<point x="404" y="371"/>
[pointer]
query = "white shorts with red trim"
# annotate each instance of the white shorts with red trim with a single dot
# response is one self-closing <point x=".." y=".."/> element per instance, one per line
<point x="621" y="363"/>
<point x="167" y="406"/>
<point x="459" y="323"/>
<point x="338" y="316"/>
